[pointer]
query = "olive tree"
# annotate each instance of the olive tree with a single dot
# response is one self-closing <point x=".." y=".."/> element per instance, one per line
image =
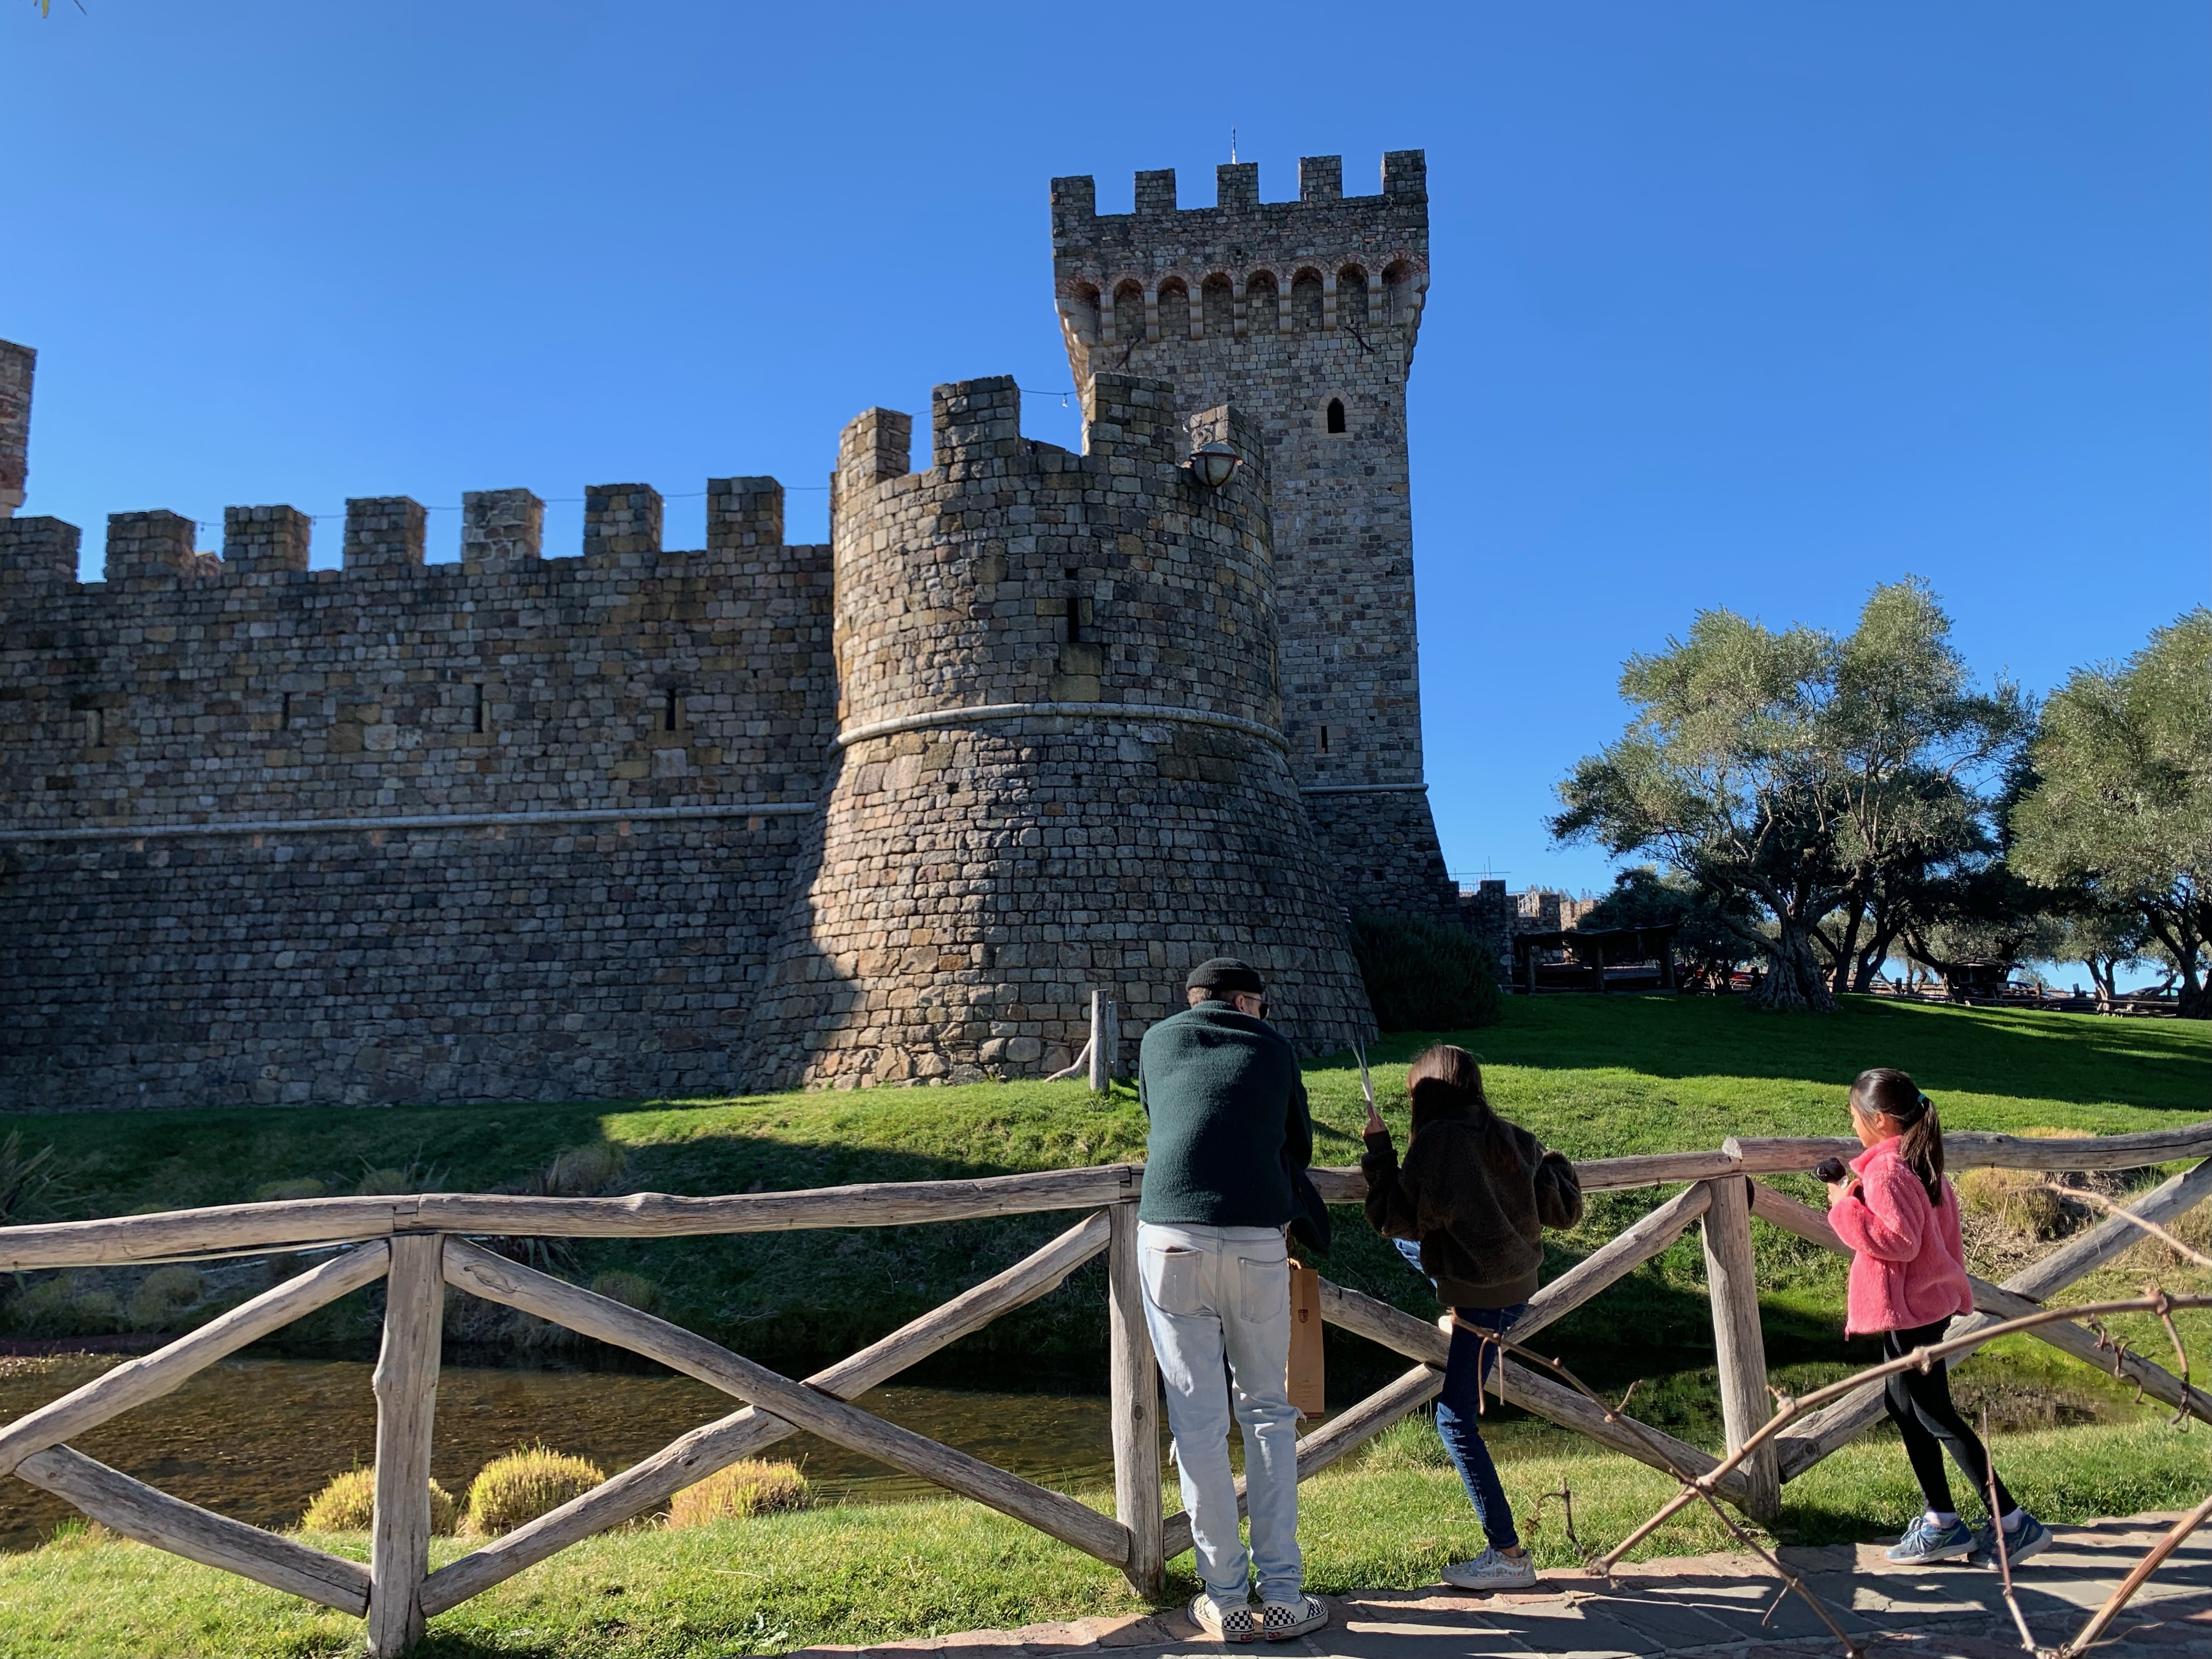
<point x="2122" y="804"/>
<point x="1799" y="775"/>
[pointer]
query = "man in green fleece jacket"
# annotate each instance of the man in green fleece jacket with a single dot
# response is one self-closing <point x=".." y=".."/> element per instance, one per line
<point x="1230" y="1130"/>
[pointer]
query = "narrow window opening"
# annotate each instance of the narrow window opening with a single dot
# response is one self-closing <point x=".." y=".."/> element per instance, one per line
<point x="477" y="714"/>
<point x="1336" y="414"/>
<point x="1324" y="739"/>
<point x="284" y="714"/>
<point x="95" y="728"/>
<point x="671" y="713"/>
<point x="1075" y="620"/>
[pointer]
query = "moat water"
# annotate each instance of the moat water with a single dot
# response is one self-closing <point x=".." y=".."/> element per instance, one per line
<point x="257" y="1438"/>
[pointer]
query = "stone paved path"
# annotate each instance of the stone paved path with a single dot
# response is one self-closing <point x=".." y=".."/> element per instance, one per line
<point x="1715" y="1606"/>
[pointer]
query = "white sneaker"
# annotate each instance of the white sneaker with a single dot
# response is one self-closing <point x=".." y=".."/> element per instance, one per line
<point x="1224" y="1622"/>
<point x="1281" y="1620"/>
<point x="1492" y="1571"/>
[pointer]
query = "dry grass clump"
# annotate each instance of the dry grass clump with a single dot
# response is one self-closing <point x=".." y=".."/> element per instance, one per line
<point x="2015" y="1200"/>
<point x="750" y="1485"/>
<point x="585" y="1171"/>
<point x="349" y="1504"/>
<point x="522" y="1485"/>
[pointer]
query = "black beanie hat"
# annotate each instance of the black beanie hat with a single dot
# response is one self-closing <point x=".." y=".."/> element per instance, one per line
<point x="1227" y="975"/>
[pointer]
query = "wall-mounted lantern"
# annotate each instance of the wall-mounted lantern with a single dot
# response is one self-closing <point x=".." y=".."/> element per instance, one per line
<point x="1214" y="464"/>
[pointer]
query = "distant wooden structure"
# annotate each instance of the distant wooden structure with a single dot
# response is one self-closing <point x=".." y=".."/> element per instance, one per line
<point x="1594" y="949"/>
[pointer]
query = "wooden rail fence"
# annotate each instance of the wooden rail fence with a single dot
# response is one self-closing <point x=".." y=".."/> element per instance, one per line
<point x="422" y="1245"/>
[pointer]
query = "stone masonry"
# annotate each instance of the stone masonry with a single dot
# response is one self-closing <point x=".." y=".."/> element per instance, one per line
<point x="512" y="828"/>
<point x="1061" y="766"/>
<point x="1303" y="315"/>
<point x="658" y="822"/>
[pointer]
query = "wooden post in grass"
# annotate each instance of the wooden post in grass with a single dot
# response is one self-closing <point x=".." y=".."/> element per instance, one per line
<point x="1105" y="1040"/>
<point x="406" y="1384"/>
<point x="1732" y="1281"/>
<point x="1135" y="1391"/>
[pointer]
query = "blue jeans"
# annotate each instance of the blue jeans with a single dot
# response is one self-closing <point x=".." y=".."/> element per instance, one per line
<point x="1459" y="1419"/>
<point x="1212" y="1293"/>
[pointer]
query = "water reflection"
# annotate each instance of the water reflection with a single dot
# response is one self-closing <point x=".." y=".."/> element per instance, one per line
<point x="257" y="1438"/>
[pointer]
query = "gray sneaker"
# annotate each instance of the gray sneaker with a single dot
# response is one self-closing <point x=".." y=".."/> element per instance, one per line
<point x="1281" y="1620"/>
<point x="2030" y="1538"/>
<point x="1490" y="1570"/>
<point x="1924" y="1541"/>
<point x="1229" y="1623"/>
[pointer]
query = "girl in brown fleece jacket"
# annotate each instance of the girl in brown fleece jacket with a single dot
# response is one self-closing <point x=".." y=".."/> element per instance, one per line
<point x="1475" y="1193"/>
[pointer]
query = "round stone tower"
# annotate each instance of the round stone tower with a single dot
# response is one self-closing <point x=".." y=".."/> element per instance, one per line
<point x="1061" y="764"/>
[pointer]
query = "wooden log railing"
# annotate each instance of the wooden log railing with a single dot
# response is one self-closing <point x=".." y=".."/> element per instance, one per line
<point x="420" y="1246"/>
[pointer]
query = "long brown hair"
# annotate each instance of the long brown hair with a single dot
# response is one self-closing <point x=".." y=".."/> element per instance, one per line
<point x="1445" y="1082"/>
<point x="1885" y="1091"/>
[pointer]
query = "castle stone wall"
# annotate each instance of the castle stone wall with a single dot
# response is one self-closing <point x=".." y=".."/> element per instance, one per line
<point x="513" y="827"/>
<point x="1061" y="765"/>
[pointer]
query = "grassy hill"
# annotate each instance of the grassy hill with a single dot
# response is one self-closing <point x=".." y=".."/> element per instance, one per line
<point x="1592" y="1077"/>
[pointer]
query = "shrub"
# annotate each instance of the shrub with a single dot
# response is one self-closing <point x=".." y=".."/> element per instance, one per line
<point x="305" y="1187"/>
<point x="349" y="1504"/>
<point x="165" y="1290"/>
<point x="1425" y="976"/>
<point x="749" y="1487"/>
<point x="521" y="1487"/>
<point x="65" y="1305"/>
<point x="631" y="1290"/>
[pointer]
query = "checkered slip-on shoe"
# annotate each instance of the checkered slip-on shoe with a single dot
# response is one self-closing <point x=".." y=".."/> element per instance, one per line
<point x="1281" y="1620"/>
<point x="1224" y="1624"/>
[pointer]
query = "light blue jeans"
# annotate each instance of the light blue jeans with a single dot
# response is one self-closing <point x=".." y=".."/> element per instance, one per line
<point x="1225" y="1293"/>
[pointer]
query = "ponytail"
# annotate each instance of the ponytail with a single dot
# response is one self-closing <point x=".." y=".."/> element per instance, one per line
<point x="1885" y="1091"/>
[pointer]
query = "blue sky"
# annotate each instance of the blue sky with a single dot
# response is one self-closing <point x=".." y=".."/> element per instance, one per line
<point x="1736" y="305"/>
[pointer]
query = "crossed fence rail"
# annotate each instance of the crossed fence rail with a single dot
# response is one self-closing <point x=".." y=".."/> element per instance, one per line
<point x="420" y="1245"/>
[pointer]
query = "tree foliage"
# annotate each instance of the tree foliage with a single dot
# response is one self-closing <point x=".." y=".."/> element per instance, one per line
<point x="1711" y="946"/>
<point x="1803" y="775"/>
<point x="2121" y="809"/>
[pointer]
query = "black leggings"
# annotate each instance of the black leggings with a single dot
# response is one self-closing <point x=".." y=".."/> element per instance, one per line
<point x="1920" y="1405"/>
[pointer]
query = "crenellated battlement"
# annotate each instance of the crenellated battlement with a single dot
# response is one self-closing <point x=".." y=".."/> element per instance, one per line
<point x="1234" y="271"/>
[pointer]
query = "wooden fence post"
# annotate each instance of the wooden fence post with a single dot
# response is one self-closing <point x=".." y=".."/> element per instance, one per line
<point x="1105" y="1040"/>
<point x="406" y="1384"/>
<point x="1136" y="1407"/>
<point x="1732" y="1280"/>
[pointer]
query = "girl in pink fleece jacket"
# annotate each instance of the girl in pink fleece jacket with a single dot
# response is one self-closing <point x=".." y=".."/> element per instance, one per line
<point x="1899" y="1216"/>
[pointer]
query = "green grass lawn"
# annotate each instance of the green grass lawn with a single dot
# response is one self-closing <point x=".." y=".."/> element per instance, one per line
<point x="1593" y="1078"/>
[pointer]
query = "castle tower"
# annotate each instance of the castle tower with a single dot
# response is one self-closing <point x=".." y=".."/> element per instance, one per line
<point x="17" y="363"/>
<point x="1062" y="764"/>
<point x="1302" y="314"/>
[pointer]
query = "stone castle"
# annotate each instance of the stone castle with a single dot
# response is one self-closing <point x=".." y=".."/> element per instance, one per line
<point x="663" y="822"/>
